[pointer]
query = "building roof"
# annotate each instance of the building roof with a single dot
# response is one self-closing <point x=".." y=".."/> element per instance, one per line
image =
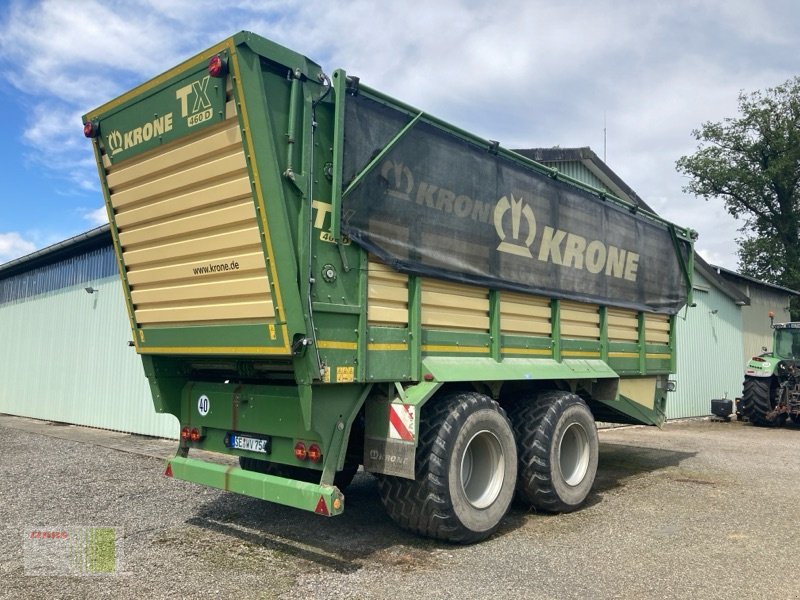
<point x="728" y="274"/>
<point x="595" y="165"/>
<point x="79" y="244"/>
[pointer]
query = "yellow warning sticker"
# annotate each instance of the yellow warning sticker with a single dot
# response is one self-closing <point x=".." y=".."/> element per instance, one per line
<point x="345" y="374"/>
<point x="271" y="331"/>
<point x="326" y="374"/>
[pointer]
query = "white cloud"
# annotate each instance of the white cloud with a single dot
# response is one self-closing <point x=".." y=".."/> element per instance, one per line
<point x="529" y="74"/>
<point x="97" y="217"/>
<point x="13" y="245"/>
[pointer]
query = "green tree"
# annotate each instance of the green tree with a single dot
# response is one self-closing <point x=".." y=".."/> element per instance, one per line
<point x="752" y="162"/>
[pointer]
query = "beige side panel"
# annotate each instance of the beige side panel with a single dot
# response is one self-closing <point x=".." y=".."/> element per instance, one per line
<point x="524" y="314"/>
<point x="189" y="231"/>
<point x="387" y="295"/>
<point x="195" y="245"/>
<point x="623" y="325"/>
<point x="454" y="306"/>
<point x="641" y="390"/>
<point x="186" y="203"/>
<point x="228" y="139"/>
<point x="191" y="177"/>
<point x="224" y="288"/>
<point x="142" y="277"/>
<point x="229" y="311"/>
<point x="656" y="329"/>
<point x="580" y="320"/>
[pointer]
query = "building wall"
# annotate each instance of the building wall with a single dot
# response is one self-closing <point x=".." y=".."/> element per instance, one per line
<point x="578" y="171"/>
<point x="755" y="318"/>
<point x="64" y="355"/>
<point x="710" y="359"/>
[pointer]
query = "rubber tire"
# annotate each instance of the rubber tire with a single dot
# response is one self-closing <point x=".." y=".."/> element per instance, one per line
<point x="341" y="480"/>
<point x="435" y="504"/>
<point x="757" y="400"/>
<point x="539" y="426"/>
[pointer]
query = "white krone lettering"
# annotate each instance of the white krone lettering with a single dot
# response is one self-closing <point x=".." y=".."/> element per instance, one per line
<point x="631" y="266"/>
<point x="550" y="248"/>
<point x="572" y="250"/>
<point x="616" y="262"/>
<point x="148" y="131"/>
<point x="182" y="94"/>
<point x="595" y="256"/>
<point x="323" y="210"/>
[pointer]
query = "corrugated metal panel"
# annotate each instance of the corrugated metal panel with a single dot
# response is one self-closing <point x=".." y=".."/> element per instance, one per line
<point x="65" y="358"/>
<point x="525" y="314"/>
<point x="449" y="305"/>
<point x="387" y="295"/>
<point x="756" y="325"/>
<point x="92" y="265"/>
<point x="710" y="359"/>
<point x="577" y="170"/>
<point x="188" y="230"/>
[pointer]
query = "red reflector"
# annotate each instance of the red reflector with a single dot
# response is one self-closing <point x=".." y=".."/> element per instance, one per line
<point x="89" y="129"/>
<point x="185" y="433"/>
<point x="195" y="435"/>
<point x="314" y="453"/>
<point x="300" y="451"/>
<point x="322" y="508"/>
<point x="217" y="67"/>
<point x="168" y="472"/>
<point x="428" y="377"/>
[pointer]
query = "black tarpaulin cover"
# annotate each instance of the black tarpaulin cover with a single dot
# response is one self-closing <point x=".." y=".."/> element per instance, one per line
<point x="439" y="205"/>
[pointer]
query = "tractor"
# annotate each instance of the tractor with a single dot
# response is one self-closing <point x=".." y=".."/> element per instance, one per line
<point x="772" y="380"/>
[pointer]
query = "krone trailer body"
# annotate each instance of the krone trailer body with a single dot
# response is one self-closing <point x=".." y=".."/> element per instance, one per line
<point x="320" y="277"/>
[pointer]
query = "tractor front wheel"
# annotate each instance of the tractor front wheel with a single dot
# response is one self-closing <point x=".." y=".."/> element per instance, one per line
<point x="757" y="400"/>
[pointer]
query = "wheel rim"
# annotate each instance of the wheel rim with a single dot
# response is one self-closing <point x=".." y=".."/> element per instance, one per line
<point x="482" y="469"/>
<point x="573" y="454"/>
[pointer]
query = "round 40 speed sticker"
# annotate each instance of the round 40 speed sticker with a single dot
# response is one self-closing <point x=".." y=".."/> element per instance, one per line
<point x="203" y="405"/>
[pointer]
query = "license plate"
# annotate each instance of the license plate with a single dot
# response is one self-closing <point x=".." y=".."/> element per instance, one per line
<point x="245" y="442"/>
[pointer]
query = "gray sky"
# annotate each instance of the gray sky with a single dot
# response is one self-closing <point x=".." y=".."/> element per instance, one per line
<point x="530" y="74"/>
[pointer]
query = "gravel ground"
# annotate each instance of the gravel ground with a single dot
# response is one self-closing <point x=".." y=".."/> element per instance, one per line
<point x="700" y="509"/>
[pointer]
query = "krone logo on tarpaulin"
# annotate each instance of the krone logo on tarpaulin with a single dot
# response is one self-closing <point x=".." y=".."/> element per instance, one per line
<point x="402" y="179"/>
<point x="519" y="211"/>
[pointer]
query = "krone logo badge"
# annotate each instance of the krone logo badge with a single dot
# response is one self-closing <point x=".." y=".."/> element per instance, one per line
<point x="518" y="209"/>
<point x="114" y="141"/>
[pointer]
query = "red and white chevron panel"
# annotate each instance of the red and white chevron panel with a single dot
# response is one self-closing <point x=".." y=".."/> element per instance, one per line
<point x="401" y="422"/>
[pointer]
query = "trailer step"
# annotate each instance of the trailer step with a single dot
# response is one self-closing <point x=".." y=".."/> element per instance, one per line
<point x="321" y="499"/>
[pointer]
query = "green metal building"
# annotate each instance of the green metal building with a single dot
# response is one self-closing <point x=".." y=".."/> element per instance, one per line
<point x="65" y="332"/>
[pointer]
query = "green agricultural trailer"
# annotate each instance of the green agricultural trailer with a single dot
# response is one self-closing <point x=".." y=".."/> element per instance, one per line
<point x="320" y="277"/>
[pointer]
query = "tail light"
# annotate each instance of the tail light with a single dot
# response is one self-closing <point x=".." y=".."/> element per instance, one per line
<point x="195" y="435"/>
<point x="300" y="452"/>
<point x="314" y="453"/>
<point x="185" y="434"/>
<point x="90" y="129"/>
<point x="217" y="66"/>
<point x="758" y="359"/>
